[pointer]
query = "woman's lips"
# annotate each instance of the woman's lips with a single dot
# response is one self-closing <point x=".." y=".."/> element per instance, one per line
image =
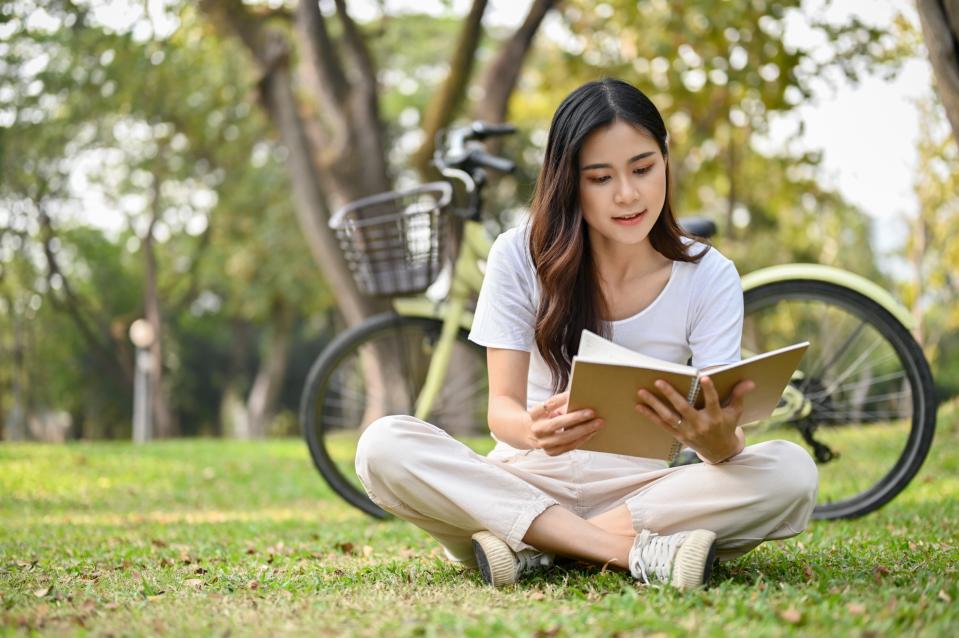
<point x="631" y="221"/>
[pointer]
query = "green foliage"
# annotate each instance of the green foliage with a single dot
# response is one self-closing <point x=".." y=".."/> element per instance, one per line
<point x="209" y="537"/>
<point x="165" y="127"/>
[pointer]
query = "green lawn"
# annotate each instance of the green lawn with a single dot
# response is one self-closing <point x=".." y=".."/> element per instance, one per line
<point x="217" y="537"/>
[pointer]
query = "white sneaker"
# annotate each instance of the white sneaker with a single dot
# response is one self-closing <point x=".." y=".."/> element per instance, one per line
<point x="500" y="565"/>
<point x="684" y="559"/>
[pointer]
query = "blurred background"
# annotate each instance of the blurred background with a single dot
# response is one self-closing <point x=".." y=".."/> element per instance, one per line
<point x="176" y="163"/>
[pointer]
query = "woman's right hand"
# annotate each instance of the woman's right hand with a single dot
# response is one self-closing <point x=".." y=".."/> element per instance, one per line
<point x="555" y="431"/>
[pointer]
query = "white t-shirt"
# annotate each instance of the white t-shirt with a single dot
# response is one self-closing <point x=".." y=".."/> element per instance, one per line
<point x="698" y="314"/>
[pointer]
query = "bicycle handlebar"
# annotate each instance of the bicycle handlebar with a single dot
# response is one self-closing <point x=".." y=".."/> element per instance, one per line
<point x="501" y="164"/>
<point x="452" y="150"/>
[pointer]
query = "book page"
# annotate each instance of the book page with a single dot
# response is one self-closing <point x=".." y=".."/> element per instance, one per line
<point x="770" y="371"/>
<point x="596" y="349"/>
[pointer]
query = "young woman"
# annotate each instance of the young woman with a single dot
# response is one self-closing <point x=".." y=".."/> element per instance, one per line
<point x="602" y="251"/>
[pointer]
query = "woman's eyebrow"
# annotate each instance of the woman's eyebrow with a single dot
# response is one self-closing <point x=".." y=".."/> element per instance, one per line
<point x="631" y="160"/>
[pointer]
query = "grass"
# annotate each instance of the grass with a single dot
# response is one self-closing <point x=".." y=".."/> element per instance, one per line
<point x="222" y="537"/>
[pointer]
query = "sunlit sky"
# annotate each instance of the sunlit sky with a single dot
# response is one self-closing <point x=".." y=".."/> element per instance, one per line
<point x="867" y="132"/>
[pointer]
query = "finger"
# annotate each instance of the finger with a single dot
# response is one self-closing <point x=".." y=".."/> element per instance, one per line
<point x="668" y="426"/>
<point x="679" y="402"/>
<point x="571" y="435"/>
<point x="739" y="393"/>
<point x="713" y="407"/>
<point x="658" y="406"/>
<point x="554" y="451"/>
<point x="571" y="419"/>
<point x="546" y="427"/>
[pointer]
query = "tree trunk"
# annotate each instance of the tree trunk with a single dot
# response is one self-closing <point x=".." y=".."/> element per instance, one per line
<point x="15" y="420"/>
<point x="501" y="75"/>
<point x="447" y="98"/>
<point x="163" y="423"/>
<point x="261" y="402"/>
<point x="940" y="28"/>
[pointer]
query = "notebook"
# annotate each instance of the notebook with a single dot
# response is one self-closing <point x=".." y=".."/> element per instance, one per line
<point x="606" y="377"/>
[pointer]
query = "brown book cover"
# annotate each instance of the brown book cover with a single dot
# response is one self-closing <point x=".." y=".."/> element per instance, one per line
<point x="606" y="377"/>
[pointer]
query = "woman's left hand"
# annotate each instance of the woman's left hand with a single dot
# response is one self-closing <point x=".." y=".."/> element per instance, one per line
<point x="711" y="432"/>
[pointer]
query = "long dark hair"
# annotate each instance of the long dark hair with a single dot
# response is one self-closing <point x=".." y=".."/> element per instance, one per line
<point x="571" y="297"/>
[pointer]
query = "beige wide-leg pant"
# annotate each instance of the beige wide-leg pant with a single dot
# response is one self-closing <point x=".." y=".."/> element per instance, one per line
<point x="420" y="473"/>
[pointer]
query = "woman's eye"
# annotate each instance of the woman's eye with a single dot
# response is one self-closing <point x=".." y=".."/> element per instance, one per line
<point x="643" y="170"/>
<point x="599" y="180"/>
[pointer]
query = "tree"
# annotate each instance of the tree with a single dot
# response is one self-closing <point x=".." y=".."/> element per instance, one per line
<point x="330" y="122"/>
<point x="940" y="28"/>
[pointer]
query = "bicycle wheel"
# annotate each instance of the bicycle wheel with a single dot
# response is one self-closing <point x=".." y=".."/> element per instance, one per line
<point x="863" y="402"/>
<point x="343" y="395"/>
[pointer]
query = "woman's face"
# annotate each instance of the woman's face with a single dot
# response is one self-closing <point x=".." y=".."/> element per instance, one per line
<point x="622" y="182"/>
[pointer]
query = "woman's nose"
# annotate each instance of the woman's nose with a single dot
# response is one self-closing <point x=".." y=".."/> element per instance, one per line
<point x="626" y="193"/>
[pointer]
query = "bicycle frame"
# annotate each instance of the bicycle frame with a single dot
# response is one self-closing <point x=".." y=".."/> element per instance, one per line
<point x="467" y="278"/>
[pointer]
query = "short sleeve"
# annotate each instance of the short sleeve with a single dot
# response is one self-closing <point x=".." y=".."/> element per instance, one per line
<point x="505" y="314"/>
<point x="716" y="325"/>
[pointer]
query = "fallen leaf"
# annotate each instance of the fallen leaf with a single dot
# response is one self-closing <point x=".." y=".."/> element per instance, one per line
<point x="253" y="584"/>
<point x="346" y="548"/>
<point x="40" y="593"/>
<point x="791" y="615"/>
<point x="196" y="583"/>
<point x="879" y="571"/>
<point x="537" y="595"/>
<point x="944" y="596"/>
<point x="199" y="570"/>
<point x="157" y="542"/>
<point x="807" y="570"/>
<point x="367" y="550"/>
<point x="856" y="609"/>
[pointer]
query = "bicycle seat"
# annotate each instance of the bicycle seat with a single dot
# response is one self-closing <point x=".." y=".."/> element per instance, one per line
<point x="699" y="226"/>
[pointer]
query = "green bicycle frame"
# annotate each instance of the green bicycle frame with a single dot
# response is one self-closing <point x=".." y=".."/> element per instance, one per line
<point x="467" y="278"/>
<point x="466" y="281"/>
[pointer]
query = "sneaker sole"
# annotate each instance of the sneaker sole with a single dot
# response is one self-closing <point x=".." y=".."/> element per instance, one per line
<point x="693" y="563"/>
<point x="496" y="561"/>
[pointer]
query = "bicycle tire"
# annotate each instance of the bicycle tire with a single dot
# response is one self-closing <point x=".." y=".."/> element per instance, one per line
<point x="909" y="354"/>
<point x="319" y="392"/>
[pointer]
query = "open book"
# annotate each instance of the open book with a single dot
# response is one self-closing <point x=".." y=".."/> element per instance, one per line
<point x="606" y="377"/>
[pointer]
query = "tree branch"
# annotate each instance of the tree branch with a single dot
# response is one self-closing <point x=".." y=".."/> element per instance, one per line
<point x="503" y="72"/>
<point x="358" y="49"/>
<point x="73" y="306"/>
<point x="940" y="26"/>
<point x="320" y="54"/>
<point x="447" y="98"/>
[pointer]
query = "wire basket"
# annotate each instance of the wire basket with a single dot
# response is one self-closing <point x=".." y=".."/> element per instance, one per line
<point x="393" y="241"/>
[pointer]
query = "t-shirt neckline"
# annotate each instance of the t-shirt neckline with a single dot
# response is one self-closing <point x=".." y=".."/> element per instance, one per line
<point x="649" y="306"/>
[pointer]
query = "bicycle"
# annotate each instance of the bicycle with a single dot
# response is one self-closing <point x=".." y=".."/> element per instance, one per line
<point x="862" y="402"/>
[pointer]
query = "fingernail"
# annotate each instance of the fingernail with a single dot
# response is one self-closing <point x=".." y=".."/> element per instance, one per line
<point x="587" y="413"/>
<point x="660" y="384"/>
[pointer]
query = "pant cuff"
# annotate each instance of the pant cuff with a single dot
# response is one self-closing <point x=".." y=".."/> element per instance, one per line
<point x="514" y="538"/>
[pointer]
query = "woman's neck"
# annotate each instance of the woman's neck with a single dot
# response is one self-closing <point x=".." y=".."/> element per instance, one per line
<point x="618" y="263"/>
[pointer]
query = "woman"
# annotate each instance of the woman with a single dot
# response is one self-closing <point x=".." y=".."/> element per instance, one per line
<point x="602" y="251"/>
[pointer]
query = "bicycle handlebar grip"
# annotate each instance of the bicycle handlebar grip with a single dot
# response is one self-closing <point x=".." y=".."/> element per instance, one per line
<point x="485" y="129"/>
<point x="500" y="164"/>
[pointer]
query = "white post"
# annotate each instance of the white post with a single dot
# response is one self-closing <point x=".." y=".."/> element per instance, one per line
<point x="141" y="334"/>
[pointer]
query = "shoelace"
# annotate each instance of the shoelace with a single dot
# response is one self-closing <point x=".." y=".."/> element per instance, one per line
<point x="528" y="560"/>
<point x="654" y="554"/>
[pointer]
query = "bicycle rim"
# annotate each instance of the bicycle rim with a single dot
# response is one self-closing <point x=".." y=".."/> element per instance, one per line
<point x="345" y="393"/>
<point x="869" y="396"/>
